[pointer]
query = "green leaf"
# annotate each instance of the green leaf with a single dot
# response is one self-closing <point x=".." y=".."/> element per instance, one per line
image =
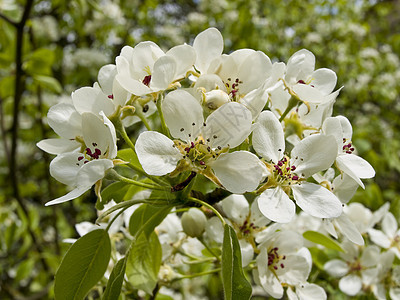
<point x="115" y="281"/>
<point x="115" y="191"/>
<point x="49" y="83"/>
<point x="236" y="286"/>
<point x="130" y="156"/>
<point x="40" y="62"/>
<point x="144" y="262"/>
<point x="323" y="240"/>
<point x="146" y="218"/>
<point x="83" y="265"/>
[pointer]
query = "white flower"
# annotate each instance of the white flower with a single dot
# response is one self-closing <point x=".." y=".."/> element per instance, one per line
<point x="81" y="170"/>
<point x="313" y="154"/>
<point x="353" y="269"/>
<point x="282" y="260"/>
<point x="147" y="69"/>
<point x="313" y="86"/>
<point x="203" y="144"/>
<point x="389" y="236"/>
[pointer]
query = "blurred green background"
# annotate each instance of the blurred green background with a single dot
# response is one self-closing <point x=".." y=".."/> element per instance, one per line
<point x="50" y="48"/>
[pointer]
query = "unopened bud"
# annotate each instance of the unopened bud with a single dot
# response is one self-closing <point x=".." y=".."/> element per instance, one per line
<point x="194" y="222"/>
<point x="216" y="98"/>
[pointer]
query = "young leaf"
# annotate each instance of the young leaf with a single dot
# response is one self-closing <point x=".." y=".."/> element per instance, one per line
<point x="144" y="262"/>
<point x="146" y="218"/>
<point x="115" y="281"/>
<point x="321" y="239"/>
<point x="236" y="286"/>
<point x="83" y="266"/>
<point x="115" y="191"/>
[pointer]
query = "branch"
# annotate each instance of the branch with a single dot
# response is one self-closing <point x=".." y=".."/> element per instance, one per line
<point x="8" y="20"/>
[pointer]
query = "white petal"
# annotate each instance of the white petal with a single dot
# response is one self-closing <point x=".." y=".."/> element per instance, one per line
<point x="126" y="79"/>
<point x="394" y="293"/>
<point x="379" y="238"/>
<point x="349" y="230"/>
<point x="88" y="99"/>
<point x="93" y="171"/>
<point x="58" y="146"/>
<point x="106" y="78"/>
<point x="291" y="294"/>
<point x="317" y="200"/>
<point x="310" y="291"/>
<point x="350" y="285"/>
<point x="344" y="187"/>
<point x="65" y="167"/>
<point x="268" y="137"/>
<point x="156" y="153"/>
<point x="254" y="71"/>
<point x="247" y="252"/>
<point x="370" y="256"/>
<point x="256" y="216"/>
<point x="389" y="225"/>
<point x="164" y="73"/>
<point x="215" y="230"/>
<point x="95" y="132"/>
<point x="276" y="205"/>
<point x="331" y="126"/>
<point x="111" y="137"/>
<point x="299" y="66"/>
<point x="255" y="100"/>
<point x="208" y="45"/>
<point x="295" y="270"/>
<point x="313" y="154"/>
<point x="236" y="208"/>
<point x="120" y="95"/>
<point x="307" y="93"/>
<point x="182" y="110"/>
<point x="65" y="120"/>
<point x="70" y="196"/>
<point x="336" y="268"/>
<point x="324" y="80"/>
<point x="232" y="170"/>
<point x="229" y="125"/>
<point x="355" y="166"/>
<point x="144" y="55"/>
<point x="185" y="56"/>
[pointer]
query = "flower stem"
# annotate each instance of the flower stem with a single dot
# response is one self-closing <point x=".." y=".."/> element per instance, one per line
<point x="209" y="207"/>
<point x="112" y="174"/>
<point x="141" y="116"/>
<point x="209" y="249"/>
<point x="163" y="125"/>
<point x="292" y="103"/>
<point x="115" y="217"/>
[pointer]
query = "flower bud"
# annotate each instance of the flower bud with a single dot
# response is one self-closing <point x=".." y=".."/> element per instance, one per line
<point x="216" y="98"/>
<point x="194" y="222"/>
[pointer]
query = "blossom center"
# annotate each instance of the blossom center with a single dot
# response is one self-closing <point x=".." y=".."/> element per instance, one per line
<point x="282" y="172"/>
<point x="232" y="87"/>
<point x="89" y="154"/>
<point x="146" y="80"/>
<point x="247" y="228"/>
<point x="275" y="261"/>
<point x="347" y="146"/>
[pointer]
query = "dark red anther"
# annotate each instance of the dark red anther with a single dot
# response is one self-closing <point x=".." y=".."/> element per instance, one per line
<point x="301" y="81"/>
<point x="282" y="266"/>
<point x="275" y="267"/>
<point x="202" y="163"/>
<point x="293" y="168"/>
<point x="187" y="149"/>
<point x="352" y="149"/>
<point x="280" y="163"/>
<point x="146" y="80"/>
<point x="192" y="145"/>
<point x="295" y="177"/>
<point x="110" y="96"/>
<point x="88" y="151"/>
<point x="80" y="158"/>
<point x="97" y="151"/>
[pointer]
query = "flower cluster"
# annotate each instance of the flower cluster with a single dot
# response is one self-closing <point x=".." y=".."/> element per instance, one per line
<point x="238" y="136"/>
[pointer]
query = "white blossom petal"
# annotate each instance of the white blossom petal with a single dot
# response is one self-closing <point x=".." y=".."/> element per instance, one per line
<point x="126" y="79"/>
<point x="229" y="125"/>
<point x="310" y="291"/>
<point x="336" y="268"/>
<point x="106" y="78"/>
<point x="300" y="66"/>
<point x="156" y="153"/>
<point x="65" y="120"/>
<point x="355" y="166"/>
<point x="209" y="45"/>
<point x="295" y="270"/>
<point x="268" y="137"/>
<point x="379" y="238"/>
<point x="64" y="167"/>
<point x="389" y="225"/>
<point x="164" y="73"/>
<point x="276" y="205"/>
<point x="92" y="100"/>
<point x="324" y="80"/>
<point x="349" y="230"/>
<point x="350" y="285"/>
<point x="236" y="208"/>
<point x="370" y="256"/>
<point x="185" y="56"/>
<point x="58" y="146"/>
<point x="182" y="110"/>
<point x="313" y="154"/>
<point x="316" y="200"/>
<point x="232" y="170"/>
<point x="247" y="252"/>
<point x="70" y="196"/>
<point x="344" y="187"/>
